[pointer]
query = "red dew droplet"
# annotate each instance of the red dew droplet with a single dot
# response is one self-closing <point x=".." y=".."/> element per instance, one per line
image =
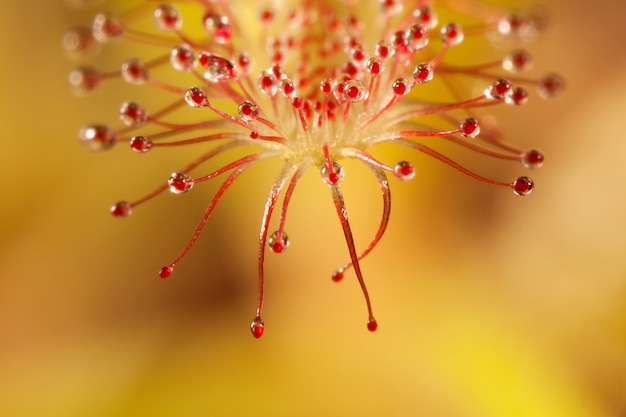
<point x="79" y="40"/>
<point x="400" y="87"/>
<point x="287" y="88"/>
<point x="499" y="89"/>
<point x="140" y="144"/>
<point x="133" y="114"/>
<point x="522" y="186"/>
<point x="297" y="102"/>
<point x="98" y="137"/>
<point x="502" y="87"/>
<point x="217" y="69"/>
<point x="404" y="171"/>
<point x="179" y="183"/>
<point x="423" y="73"/>
<point x="352" y="92"/>
<point x="218" y="26"/>
<point x="223" y="35"/>
<point x="550" y="85"/>
<point x="452" y="34"/>
<point x="353" y="22"/>
<point x="106" y="28"/>
<point x="167" y="18"/>
<point x="84" y="79"/>
<point x="277" y="57"/>
<point x="351" y="69"/>
<point x="353" y="43"/>
<point x="398" y="40"/>
<point x="165" y="272"/>
<point x="532" y="159"/>
<point x="333" y="174"/>
<point x="469" y="128"/>
<point x="267" y="83"/>
<point x="134" y="72"/>
<point x="375" y="66"/>
<point x="182" y="58"/>
<point x="383" y="50"/>
<point x="372" y="325"/>
<point x="426" y="16"/>
<point x="278" y="72"/>
<point x="416" y="37"/>
<point x="257" y="327"/>
<point x="243" y="63"/>
<point x="516" y="61"/>
<point x="267" y="15"/>
<point x="121" y="209"/>
<point x="248" y="111"/>
<point x="337" y="275"/>
<point x="326" y="86"/>
<point x="278" y="241"/>
<point x="204" y="58"/>
<point x="357" y="54"/>
<point x="517" y="96"/>
<point x="254" y="135"/>
<point x="196" y="97"/>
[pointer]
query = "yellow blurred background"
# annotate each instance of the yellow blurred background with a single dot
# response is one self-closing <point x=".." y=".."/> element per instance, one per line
<point x="489" y="305"/>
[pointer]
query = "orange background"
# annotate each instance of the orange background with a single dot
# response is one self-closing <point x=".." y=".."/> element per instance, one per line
<point x="488" y="305"/>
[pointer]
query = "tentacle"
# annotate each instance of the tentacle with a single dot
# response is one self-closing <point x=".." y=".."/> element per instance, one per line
<point x="258" y="326"/>
<point x="166" y="271"/>
<point x="340" y="206"/>
<point x="386" y="195"/>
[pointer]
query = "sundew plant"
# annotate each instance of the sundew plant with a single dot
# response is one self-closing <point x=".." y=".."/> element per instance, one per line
<point x="310" y="83"/>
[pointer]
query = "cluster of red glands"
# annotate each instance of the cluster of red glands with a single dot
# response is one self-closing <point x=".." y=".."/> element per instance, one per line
<point x="313" y="84"/>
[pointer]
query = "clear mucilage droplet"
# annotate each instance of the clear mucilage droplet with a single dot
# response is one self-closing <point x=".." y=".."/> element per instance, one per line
<point x="268" y="83"/>
<point x="532" y="159"/>
<point x="216" y="68"/>
<point x="248" y="111"/>
<point x="121" y="209"/>
<point x="84" y="79"/>
<point x="134" y="72"/>
<point x="498" y="90"/>
<point x="517" y="61"/>
<point x="551" y="85"/>
<point x="423" y="73"/>
<point x="404" y="171"/>
<point x="167" y="18"/>
<point x="133" y="114"/>
<point x="334" y="176"/>
<point x="354" y="91"/>
<point x="79" y="41"/>
<point x="182" y="58"/>
<point x="426" y="16"/>
<point x="416" y="37"/>
<point x="452" y="34"/>
<point x="375" y="65"/>
<point x="257" y="327"/>
<point x="401" y="87"/>
<point x="97" y="137"/>
<point x="106" y="28"/>
<point x="218" y="26"/>
<point x="522" y="186"/>
<point x="517" y="97"/>
<point x="469" y="128"/>
<point x="196" y="97"/>
<point x="179" y="183"/>
<point x="278" y="241"/>
<point x="140" y="144"/>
